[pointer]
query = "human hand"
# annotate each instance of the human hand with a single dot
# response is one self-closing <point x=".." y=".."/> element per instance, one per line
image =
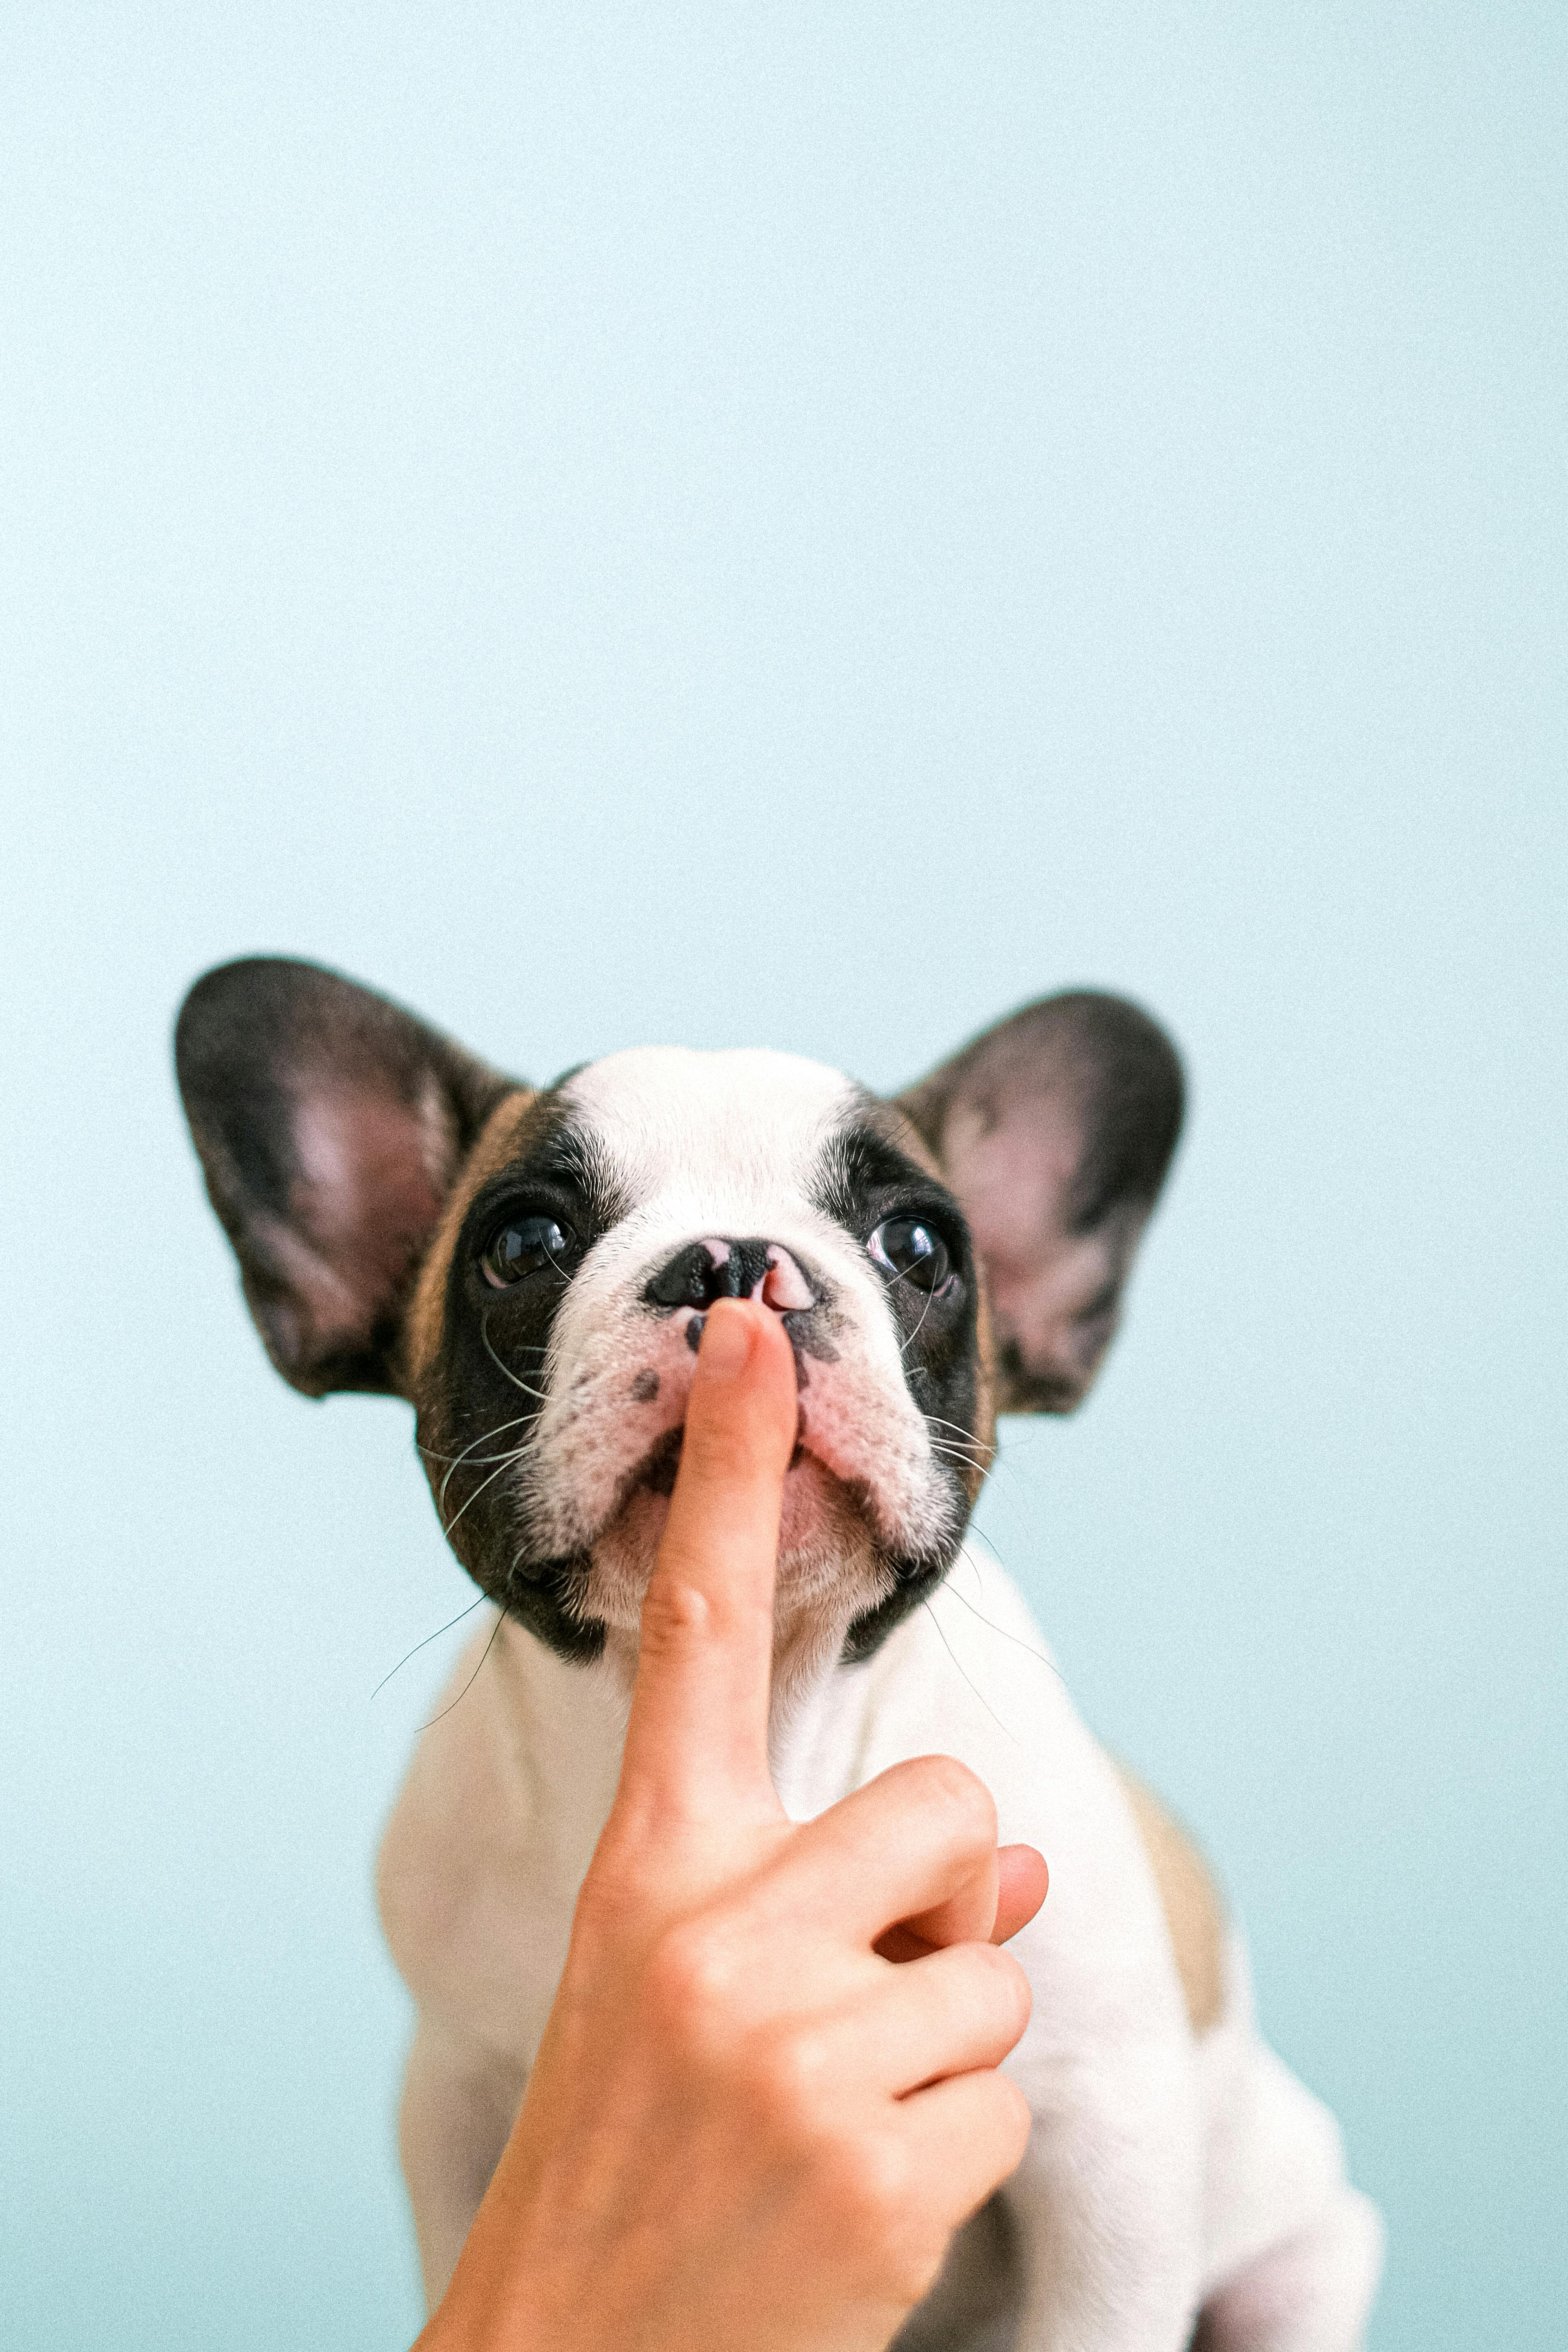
<point x="746" y="2126"/>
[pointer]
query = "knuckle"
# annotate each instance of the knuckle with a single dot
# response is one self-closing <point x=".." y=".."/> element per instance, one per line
<point x="1010" y="2123"/>
<point x="883" y="2207"/>
<point x="865" y="2180"/>
<point x="875" y="2194"/>
<point x="617" y="1877"/>
<point x="1009" y="1989"/>
<point x="897" y="2212"/>
<point x="675" y="1617"/>
<point x="912" y="2262"/>
<point x="789" y="2089"/>
<point x="950" y="1787"/>
<point x="689" y="1984"/>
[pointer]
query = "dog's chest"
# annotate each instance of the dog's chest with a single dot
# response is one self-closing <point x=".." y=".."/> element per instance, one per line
<point x="494" y="1829"/>
<point x="488" y="1842"/>
<point x="508" y="1793"/>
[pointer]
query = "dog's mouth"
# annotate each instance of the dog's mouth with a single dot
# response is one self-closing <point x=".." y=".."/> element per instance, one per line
<point x="655" y="1474"/>
<point x="825" y="1519"/>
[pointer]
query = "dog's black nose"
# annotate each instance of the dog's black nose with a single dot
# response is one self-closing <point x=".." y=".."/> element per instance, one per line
<point x="721" y="1268"/>
<point x="698" y="1274"/>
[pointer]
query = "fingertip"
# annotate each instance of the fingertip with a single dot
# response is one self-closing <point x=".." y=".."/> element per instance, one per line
<point x="736" y="1330"/>
<point x="1022" y="1882"/>
<point x="729" y="1331"/>
<point x="1023" y="2121"/>
<point x="744" y="1364"/>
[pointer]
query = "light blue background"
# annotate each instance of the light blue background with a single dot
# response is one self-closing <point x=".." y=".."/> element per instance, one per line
<point x="805" y="527"/>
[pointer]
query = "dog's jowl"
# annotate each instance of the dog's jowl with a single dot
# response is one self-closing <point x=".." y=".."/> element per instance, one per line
<point x="530" y="1269"/>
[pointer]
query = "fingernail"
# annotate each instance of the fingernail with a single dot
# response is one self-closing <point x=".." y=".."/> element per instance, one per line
<point x="726" y="1343"/>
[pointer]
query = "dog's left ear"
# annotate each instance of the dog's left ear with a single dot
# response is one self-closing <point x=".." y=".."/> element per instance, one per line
<point x="330" y="1125"/>
<point x="1055" y="1131"/>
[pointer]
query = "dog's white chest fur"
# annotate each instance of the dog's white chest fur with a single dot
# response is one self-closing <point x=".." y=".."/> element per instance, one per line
<point x="1160" y="2167"/>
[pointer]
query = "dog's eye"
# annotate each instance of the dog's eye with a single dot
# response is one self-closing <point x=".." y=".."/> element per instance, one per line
<point x="912" y="1251"/>
<point x="523" y="1248"/>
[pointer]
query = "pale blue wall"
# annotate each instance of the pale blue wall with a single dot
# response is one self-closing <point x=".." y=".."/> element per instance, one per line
<point x="801" y="527"/>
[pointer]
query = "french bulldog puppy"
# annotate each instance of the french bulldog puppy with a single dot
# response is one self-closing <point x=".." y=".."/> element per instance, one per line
<point x="529" y="1267"/>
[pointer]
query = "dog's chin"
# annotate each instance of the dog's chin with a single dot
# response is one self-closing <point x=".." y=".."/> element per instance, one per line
<point x="831" y="1566"/>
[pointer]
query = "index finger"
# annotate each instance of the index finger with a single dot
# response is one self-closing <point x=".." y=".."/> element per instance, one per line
<point x="697" y="1741"/>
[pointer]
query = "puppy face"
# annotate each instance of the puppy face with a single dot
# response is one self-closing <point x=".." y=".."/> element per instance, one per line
<point x="532" y="1271"/>
<point x="555" y="1323"/>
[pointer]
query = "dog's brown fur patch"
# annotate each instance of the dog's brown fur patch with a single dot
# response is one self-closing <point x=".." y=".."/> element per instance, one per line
<point x="1193" y="1913"/>
<point x="499" y="1140"/>
<point x="897" y="1127"/>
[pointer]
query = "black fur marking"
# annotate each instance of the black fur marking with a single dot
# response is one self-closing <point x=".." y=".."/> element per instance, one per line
<point x="539" y="1598"/>
<point x="569" y="1161"/>
<point x="645" y="1388"/>
<point x="917" y="1582"/>
<point x="658" y="1471"/>
<point x="489" y="1395"/>
<point x="810" y="1331"/>
<point x="865" y="1177"/>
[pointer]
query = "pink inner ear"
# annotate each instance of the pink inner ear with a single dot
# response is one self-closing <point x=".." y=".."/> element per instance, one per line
<point x="368" y="1197"/>
<point x="1015" y="1180"/>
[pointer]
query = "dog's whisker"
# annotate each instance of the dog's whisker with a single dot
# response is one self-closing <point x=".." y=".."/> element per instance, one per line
<point x="1038" y="1656"/>
<point x="973" y="1685"/>
<point x="514" y="1454"/>
<point x="414" y="1653"/>
<point x="483" y="1438"/>
<point x="473" y="1678"/>
<point x="506" y="1461"/>
<point x="905" y="1345"/>
<point x="958" y="1444"/>
<point x="953" y="1454"/>
<point x="957" y="1452"/>
<point x="990" y="1470"/>
<point x="990" y="1461"/>
<point x="938" y="1421"/>
<point x="920" y="1326"/>
<point x="538" y="1394"/>
<point x="961" y="1446"/>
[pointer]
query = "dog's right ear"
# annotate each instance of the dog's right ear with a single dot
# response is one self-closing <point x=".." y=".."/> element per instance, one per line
<point x="331" y="1125"/>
